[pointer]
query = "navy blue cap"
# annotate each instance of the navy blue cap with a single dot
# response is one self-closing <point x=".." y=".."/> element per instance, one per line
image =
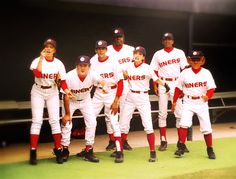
<point x="101" y="44"/>
<point x="82" y="59"/>
<point x="140" y="49"/>
<point x="50" y="41"/>
<point x="118" y="32"/>
<point x="168" y="36"/>
<point x="195" y="55"/>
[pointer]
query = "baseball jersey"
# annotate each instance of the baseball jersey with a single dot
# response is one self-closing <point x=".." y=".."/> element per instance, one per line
<point x="195" y="84"/>
<point x="50" y="70"/>
<point x="140" y="76"/>
<point x="81" y="89"/>
<point x="169" y="65"/>
<point x="108" y="70"/>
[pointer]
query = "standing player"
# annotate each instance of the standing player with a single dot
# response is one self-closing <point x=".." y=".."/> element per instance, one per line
<point x="138" y="75"/>
<point x="80" y="81"/>
<point x="123" y="53"/>
<point x="198" y="86"/>
<point x="46" y="68"/>
<point x="107" y="68"/>
<point x="168" y="63"/>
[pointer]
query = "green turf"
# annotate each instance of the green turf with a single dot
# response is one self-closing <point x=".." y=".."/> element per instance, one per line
<point x="136" y="165"/>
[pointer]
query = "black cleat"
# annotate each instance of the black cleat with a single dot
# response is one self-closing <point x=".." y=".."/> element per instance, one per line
<point x="65" y="154"/>
<point x="126" y="146"/>
<point x="81" y="154"/>
<point x="180" y="151"/>
<point x="33" y="157"/>
<point x="211" y="154"/>
<point x="185" y="150"/>
<point x="58" y="153"/>
<point x="113" y="154"/>
<point x="119" y="157"/>
<point x="152" y="156"/>
<point x="89" y="156"/>
<point x="163" y="146"/>
<point x="111" y="145"/>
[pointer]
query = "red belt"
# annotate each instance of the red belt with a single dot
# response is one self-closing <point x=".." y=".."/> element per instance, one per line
<point x="193" y="97"/>
<point x="112" y="87"/>
<point x="139" y="91"/>
<point x="44" y="87"/>
<point x="168" y="79"/>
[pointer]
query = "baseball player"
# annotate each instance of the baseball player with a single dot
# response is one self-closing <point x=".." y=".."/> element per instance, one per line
<point x="168" y="63"/>
<point x="123" y="53"/>
<point x="108" y="69"/>
<point x="46" y="68"/>
<point x="80" y="81"/>
<point x="138" y="75"/>
<point x="198" y="86"/>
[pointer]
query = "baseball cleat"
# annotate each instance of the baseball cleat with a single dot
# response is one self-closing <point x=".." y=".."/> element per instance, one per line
<point x="211" y="153"/>
<point x="185" y="150"/>
<point x="163" y="146"/>
<point x="33" y="157"/>
<point x="119" y="157"/>
<point x="126" y="146"/>
<point x="180" y="151"/>
<point x="113" y="154"/>
<point x="65" y="153"/>
<point x="58" y="153"/>
<point x="111" y="145"/>
<point x="152" y="156"/>
<point x="89" y="156"/>
<point x="81" y="154"/>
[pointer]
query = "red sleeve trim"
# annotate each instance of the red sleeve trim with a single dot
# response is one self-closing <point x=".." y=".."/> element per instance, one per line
<point x="210" y="93"/>
<point x="37" y="73"/>
<point x="63" y="85"/>
<point x="177" y="93"/>
<point x="120" y="87"/>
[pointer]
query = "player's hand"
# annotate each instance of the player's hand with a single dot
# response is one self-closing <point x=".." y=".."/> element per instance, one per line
<point x="66" y="119"/>
<point x="173" y="107"/>
<point x="114" y="107"/>
<point x="43" y="53"/>
<point x="155" y="88"/>
<point x="205" y="98"/>
<point x="69" y="94"/>
<point x="125" y="74"/>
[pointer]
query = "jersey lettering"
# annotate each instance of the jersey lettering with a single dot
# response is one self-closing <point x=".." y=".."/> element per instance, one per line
<point x="124" y="60"/>
<point x="195" y="85"/>
<point x="169" y="62"/>
<point x="49" y="76"/>
<point x="136" y="77"/>
<point x="83" y="90"/>
<point x="107" y="75"/>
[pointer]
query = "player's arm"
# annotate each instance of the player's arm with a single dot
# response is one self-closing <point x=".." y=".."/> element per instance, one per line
<point x="65" y="89"/>
<point x="177" y="94"/>
<point x="38" y="71"/>
<point x="67" y="117"/>
<point x="115" y="104"/>
<point x="155" y="84"/>
<point x="208" y="95"/>
<point x="163" y="84"/>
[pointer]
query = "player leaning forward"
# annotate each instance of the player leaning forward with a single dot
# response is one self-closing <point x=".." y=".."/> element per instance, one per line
<point x="80" y="81"/>
<point x="46" y="69"/>
<point x="138" y="75"/>
<point x="198" y="86"/>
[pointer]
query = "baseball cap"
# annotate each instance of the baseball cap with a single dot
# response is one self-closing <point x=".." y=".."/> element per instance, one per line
<point x="101" y="44"/>
<point x="140" y="49"/>
<point x="118" y="32"/>
<point x="195" y="55"/>
<point x="167" y="36"/>
<point x="50" y="41"/>
<point x="82" y="59"/>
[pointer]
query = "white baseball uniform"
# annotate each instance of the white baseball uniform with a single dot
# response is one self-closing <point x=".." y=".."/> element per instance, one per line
<point x="138" y="97"/>
<point x="194" y="86"/>
<point x="168" y="65"/>
<point x="81" y="90"/>
<point x="46" y="90"/>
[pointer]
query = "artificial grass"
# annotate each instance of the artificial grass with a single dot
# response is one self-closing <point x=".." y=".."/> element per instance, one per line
<point x="193" y="165"/>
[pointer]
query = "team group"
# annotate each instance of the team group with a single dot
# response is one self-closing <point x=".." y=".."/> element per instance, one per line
<point x="121" y="78"/>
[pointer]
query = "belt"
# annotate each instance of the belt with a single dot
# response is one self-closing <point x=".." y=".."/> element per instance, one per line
<point x="79" y="100"/>
<point x="168" y="79"/>
<point x="139" y="91"/>
<point x="44" y="87"/>
<point x="194" y="97"/>
<point x="112" y="87"/>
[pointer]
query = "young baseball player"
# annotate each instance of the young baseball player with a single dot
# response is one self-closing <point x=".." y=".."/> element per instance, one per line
<point x="138" y="75"/>
<point x="46" y="69"/>
<point x="80" y="81"/>
<point x="198" y="86"/>
<point x="123" y="53"/>
<point x="108" y="69"/>
<point x="168" y="63"/>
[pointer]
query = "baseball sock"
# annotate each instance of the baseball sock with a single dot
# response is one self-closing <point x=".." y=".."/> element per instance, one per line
<point x="162" y="133"/>
<point x="34" y="141"/>
<point x="57" y="140"/>
<point x="151" y="141"/>
<point x="208" y="139"/>
<point x="124" y="136"/>
<point x="88" y="147"/>
<point x="178" y="134"/>
<point x="183" y="134"/>
<point x="111" y="136"/>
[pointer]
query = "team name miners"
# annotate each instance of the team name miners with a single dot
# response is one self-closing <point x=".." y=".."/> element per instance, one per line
<point x="169" y="62"/>
<point x="194" y="85"/>
<point x="83" y="90"/>
<point x="136" y="77"/>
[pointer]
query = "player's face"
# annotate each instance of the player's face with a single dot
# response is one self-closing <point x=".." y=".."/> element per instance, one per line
<point x="168" y="43"/>
<point x="101" y="52"/>
<point x="83" y="69"/>
<point x="138" y="57"/>
<point x="118" y="41"/>
<point x="196" y="64"/>
<point x="49" y="50"/>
